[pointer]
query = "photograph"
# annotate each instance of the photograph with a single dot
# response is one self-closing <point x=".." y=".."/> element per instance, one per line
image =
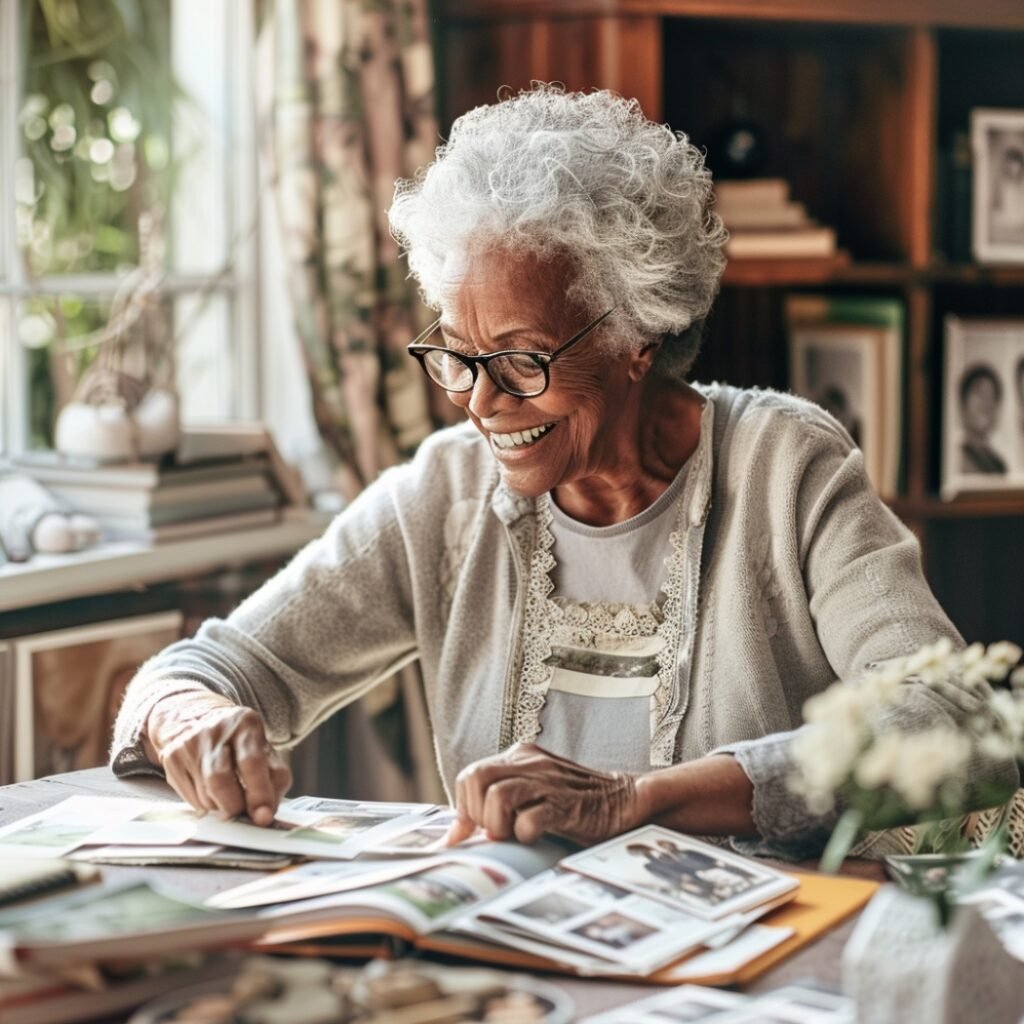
<point x="338" y="828"/>
<point x="997" y="223"/>
<point x="683" y="872"/>
<point x="56" y="834"/>
<point x="840" y="367"/>
<point x="686" y="1003"/>
<point x="615" y="930"/>
<point x="983" y="406"/>
<point x="68" y="685"/>
<point x="551" y="908"/>
<point x="440" y="891"/>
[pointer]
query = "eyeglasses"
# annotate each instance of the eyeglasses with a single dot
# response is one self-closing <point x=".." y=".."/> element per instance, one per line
<point x="524" y="373"/>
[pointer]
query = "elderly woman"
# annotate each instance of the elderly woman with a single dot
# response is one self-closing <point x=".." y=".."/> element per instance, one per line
<point x="621" y="586"/>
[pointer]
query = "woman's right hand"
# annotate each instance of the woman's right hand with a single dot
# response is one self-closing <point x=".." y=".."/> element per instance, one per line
<point x="216" y="755"/>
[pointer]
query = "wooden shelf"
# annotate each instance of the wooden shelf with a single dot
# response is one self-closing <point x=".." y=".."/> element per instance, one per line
<point x="752" y="273"/>
<point x="986" y="506"/>
<point x="794" y="273"/>
<point x="112" y="567"/>
<point x="938" y="13"/>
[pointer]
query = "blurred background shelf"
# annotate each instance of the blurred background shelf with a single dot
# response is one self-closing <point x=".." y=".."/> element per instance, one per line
<point x="863" y="105"/>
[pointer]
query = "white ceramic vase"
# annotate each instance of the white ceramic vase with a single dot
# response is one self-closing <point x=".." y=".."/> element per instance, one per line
<point x="902" y="967"/>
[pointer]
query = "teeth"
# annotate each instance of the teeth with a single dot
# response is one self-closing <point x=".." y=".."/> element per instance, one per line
<point x="520" y="438"/>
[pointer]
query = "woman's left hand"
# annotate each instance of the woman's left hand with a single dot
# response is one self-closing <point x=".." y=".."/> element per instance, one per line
<point x="525" y="792"/>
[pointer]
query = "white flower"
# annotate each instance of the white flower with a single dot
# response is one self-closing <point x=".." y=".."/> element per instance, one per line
<point x="914" y="765"/>
<point x="1004" y="653"/>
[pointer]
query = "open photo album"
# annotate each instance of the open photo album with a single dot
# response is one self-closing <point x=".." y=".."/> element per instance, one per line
<point x="639" y="905"/>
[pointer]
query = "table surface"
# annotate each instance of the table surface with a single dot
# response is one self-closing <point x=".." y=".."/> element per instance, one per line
<point x="818" y="962"/>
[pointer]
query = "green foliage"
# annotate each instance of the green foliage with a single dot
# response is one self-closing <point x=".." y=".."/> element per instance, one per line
<point x="96" y="129"/>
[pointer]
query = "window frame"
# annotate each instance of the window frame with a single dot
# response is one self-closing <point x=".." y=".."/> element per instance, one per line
<point x="237" y="278"/>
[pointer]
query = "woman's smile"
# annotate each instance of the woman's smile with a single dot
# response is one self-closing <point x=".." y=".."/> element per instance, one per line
<point x="516" y="442"/>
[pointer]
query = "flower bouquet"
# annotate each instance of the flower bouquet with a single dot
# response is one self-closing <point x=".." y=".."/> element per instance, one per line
<point x="883" y="755"/>
<point x="855" y="754"/>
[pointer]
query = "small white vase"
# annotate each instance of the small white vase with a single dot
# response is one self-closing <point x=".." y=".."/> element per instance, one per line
<point x="902" y="967"/>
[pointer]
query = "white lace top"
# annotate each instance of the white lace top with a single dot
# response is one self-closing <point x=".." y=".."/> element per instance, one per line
<point x="608" y="635"/>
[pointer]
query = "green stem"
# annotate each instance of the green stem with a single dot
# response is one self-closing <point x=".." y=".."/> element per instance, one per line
<point x="844" y="835"/>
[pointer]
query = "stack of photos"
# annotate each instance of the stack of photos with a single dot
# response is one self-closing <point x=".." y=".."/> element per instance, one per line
<point x="563" y="909"/>
<point x="794" y="1004"/>
<point x="983" y="406"/>
<point x="640" y="901"/>
<point x="111" y="828"/>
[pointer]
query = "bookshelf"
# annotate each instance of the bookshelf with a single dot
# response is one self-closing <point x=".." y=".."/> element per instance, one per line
<point x="861" y="101"/>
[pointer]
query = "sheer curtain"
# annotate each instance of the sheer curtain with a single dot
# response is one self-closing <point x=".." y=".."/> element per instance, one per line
<point x="346" y="106"/>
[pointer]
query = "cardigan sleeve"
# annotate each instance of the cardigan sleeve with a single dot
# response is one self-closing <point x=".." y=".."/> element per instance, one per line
<point x="318" y="635"/>
<point x="870" y="603"/>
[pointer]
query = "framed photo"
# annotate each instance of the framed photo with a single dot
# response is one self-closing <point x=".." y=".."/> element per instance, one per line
<point x="842" y="368"/>
<point x="997" y="224"/>
<point x="983" y="406"/>
<point x="68" y="685"/>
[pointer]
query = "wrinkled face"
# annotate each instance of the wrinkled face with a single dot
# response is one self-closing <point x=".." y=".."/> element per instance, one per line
<point x="496" y="301"/>
<point x="981" y="406"/>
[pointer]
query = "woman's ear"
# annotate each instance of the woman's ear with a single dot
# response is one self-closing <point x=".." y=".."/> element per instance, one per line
<point x="640" y="361"/>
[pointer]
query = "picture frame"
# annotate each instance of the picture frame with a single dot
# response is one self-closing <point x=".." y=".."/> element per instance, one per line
<point x="846" y="369"/>
<point x="982" y="406"/>
<point x="997" y="221"/>
<point x="68" y="684"/>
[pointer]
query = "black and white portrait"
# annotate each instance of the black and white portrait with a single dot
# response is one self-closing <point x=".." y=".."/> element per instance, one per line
<point x="983" y="406"/>
<point x="997" y="138"/>
<point x="839" y="367"/>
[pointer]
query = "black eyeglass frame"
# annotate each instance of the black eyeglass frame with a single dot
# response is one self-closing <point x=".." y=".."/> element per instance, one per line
<point x="541" y="359"/>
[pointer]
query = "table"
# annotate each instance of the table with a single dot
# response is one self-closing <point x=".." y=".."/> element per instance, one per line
<point x="818" y="962"/>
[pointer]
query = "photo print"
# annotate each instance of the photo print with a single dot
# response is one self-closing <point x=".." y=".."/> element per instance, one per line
<point x="581" y="914"/>
<point x="997" y="141"/>
<point x="983" y="406"/>
<point x="683" y="872"/>
<point x="843" y="369"/>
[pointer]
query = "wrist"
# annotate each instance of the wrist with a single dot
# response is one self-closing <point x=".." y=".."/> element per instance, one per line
<point x="171" y="715"/>
<point x="653" y="798"/>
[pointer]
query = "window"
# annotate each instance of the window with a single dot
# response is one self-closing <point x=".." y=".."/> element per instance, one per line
<point x="128" y="216"/>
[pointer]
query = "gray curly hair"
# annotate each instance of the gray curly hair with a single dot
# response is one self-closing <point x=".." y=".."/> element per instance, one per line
<point x="584" y="174"/>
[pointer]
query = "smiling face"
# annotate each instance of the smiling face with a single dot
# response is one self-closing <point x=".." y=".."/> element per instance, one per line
<point x="496" y="301"/>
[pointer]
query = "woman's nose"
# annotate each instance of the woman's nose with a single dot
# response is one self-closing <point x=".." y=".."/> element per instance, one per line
<point x="485" y="398"/>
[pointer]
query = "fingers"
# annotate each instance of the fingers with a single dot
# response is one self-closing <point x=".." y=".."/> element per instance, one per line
<point x="222" y="762"/>
<point x="219" y="780"/>
<point x="532" y="822"/>
<point x="182" y="783"/>
<point x="503" y="801"/>
<point x="461" y="829"/>
<point x="254" y="771"/>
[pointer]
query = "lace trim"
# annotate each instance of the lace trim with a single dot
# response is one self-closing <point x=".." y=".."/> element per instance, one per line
<point x="585" y="623"/>
<point x="538" y="629"/>
<point x="662" y="740"/>
<point x="544" y="615"/>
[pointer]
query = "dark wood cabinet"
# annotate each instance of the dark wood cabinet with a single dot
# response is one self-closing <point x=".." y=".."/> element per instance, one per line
<point x="863" y="104"/>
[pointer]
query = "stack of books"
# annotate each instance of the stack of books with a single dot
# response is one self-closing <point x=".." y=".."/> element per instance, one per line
<point x="765" y="223"/>
<point x="229" y="477"/>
